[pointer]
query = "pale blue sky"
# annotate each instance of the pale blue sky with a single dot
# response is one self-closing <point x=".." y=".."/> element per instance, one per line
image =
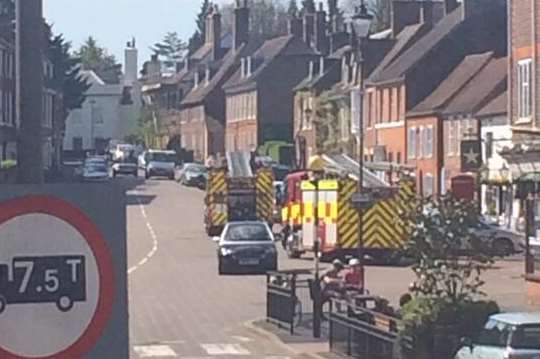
<point x="114" y="22"/>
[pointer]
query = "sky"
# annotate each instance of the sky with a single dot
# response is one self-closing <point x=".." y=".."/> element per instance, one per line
<point x="114" y="22"/>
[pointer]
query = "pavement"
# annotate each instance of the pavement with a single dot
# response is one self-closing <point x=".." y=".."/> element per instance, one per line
<point x="181" y="308"/>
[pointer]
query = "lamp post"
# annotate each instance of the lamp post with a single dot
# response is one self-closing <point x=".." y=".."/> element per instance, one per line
<point x="361" y="22"/>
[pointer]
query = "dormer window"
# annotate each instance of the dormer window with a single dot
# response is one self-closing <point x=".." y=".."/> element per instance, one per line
<point x="196" y="80"/>
<point x="207" y="77"/>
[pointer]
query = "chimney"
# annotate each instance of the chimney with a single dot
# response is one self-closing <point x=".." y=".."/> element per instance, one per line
<point x="449" y="6"/>
<point x="311" y="70"/>
<point x="426" y="12"/>
<point x="321" y="40"/>
<point x="309" y="25"/>
<point x="321" y="66"/>
<point x="295" y="26"/>
<point x="213" y="32"/>
<point x="333" y="13"/>
<point x="240" y="24"/>
<point x="478" y="7"/>
<point x="404" y="13"/>
<point x="243" y="67"/>
<point x="131" y="64"/>
<point x="154" y="67"/>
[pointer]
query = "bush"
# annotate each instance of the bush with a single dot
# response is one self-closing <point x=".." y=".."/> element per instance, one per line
<point x="436" y="325"/>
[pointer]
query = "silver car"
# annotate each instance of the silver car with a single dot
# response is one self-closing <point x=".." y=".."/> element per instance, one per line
<point x="506" y="336"/>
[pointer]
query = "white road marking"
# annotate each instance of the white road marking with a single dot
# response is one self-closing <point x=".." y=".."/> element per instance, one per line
<point x="154" y="351"/>
<point x="225" y="349"/>
<point x="152" y="235"/>
<point x="242" y="339"/>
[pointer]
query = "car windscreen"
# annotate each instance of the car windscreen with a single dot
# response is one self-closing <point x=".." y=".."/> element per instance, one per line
<point x="495" y="334"/>
<point x="161" y="157"/>
<point x="196" y="169"/>
<point x="247" y="232"/>
<point x="526" y="337"/>
<point x="96" y="168"/>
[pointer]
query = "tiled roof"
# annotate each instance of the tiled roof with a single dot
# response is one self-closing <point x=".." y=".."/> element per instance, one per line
<point x="461" y="75"/>
<point x="330" y="76"/>
<point x="420" y="48"/>
<point x="487" y="84"/>
<point x="287" y="45"/>
<point x="223" y="70"/>
<point x="403" y="41"/>
<point x="497" y="106"/>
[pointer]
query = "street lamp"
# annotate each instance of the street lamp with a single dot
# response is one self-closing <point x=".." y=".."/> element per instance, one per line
<point x="361" y="23"/>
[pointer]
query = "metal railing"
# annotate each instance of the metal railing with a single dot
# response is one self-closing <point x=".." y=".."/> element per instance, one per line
<point x="286" y="298"/>
<point x="361" y="333"/>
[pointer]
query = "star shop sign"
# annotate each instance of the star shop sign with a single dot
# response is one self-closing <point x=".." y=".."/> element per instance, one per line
<point x="471" y="155"/>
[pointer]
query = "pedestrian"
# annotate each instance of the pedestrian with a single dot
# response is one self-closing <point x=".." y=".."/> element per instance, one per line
<point x="353" y="276"/>
<point x="332" y="284"/>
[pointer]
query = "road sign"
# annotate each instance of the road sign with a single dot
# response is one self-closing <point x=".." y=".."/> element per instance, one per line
<point x="59" y="287"/>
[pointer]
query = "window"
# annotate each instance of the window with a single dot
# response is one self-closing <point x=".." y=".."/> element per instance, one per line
<point x="524" y="88"/>
<point x="398" y="157"/>
<point x="411" y="143"/>
<point x="420" y="142"/>
<point x="489" y="145"/>
<point x="428" y="186"/>
<point x="77" y="143"/>
<point x="495" y="334"/>
<point x="526" y="337"/>
<point x="428" y="141"/>
<point x="390" y="157"/>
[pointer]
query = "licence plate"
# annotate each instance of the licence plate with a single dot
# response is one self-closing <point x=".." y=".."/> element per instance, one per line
<point x="248" y="262"/>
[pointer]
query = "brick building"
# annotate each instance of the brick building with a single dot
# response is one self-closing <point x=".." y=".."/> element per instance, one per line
<point x="203" y="110"/>
<point x="427" y="49"/>
<point x="437" y="125"/>
<point x="260" y="94"/>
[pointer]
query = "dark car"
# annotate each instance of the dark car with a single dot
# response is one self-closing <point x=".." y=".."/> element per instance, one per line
<point x="246" y="246"/>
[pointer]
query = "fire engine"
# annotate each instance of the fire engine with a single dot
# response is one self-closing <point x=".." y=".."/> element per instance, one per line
<point x="330" y="197"/>
<point x="235" y="193"/>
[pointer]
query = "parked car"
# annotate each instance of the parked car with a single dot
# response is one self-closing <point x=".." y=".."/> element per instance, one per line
<point x="503" y="241"/>
<point x="159" y="163"/>
<point x="505" y="336"/>
<point x="246" y="245"/>
<point x="95" y="171"/>
<point x="190" y="174"/>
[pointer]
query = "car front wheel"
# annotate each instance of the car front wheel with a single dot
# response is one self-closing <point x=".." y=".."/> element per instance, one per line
<point x="503" y="247"/>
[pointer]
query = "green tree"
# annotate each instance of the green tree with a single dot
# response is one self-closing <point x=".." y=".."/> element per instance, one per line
<point x="268" y="18"/>
<point x="172" y="49"/>
<point x="197" y="39"/>
<point x="67" y="76"/>
<point x="96" y="58"/>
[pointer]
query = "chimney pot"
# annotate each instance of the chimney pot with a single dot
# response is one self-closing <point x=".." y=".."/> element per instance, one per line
<point x="311" y="70"/>
<point x="248" y="65"/>
<point x="321" y="66"/>
<point x="242" y="67"/>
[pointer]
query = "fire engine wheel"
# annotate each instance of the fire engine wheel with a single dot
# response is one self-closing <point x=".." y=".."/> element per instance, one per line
<point x="64" y="303"/>
<point x="3" y="304"/>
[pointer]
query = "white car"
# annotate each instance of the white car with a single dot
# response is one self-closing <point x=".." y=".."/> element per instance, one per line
<point x="158" y="163"/>
<point x="95" y="171"/>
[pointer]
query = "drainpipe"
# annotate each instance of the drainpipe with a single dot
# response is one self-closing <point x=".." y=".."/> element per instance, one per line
<point x="534" y="56"/>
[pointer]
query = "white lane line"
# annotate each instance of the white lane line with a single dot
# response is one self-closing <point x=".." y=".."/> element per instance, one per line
<point x="154" y="351"/>
<point x="225" y="349"/>
<point x="152" y="235"/>
<point x="242" y="339"/>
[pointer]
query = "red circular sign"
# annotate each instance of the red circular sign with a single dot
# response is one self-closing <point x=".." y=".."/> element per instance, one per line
<point x="40" y="204"/>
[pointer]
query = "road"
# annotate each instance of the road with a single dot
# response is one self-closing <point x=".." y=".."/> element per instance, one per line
<point x="179" y="305"/>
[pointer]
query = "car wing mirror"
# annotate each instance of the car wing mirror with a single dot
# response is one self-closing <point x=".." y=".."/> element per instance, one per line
<point x="467" y="342"/>
<point x="216" y="239"/>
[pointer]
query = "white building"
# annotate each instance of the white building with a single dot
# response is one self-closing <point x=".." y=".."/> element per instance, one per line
<point x="110" y="111"/>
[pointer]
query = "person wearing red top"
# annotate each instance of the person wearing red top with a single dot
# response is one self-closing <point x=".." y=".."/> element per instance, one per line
<point x="353" y="276"/>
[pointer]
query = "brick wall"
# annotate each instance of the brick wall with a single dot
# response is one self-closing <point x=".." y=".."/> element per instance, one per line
<point x="426" y="164"/>
<point x="241" y="135"/>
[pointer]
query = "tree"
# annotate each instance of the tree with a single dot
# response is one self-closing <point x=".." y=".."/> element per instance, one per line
<point x="450" y="260"/>
<point x="67" y="76"/>
<point x="172" y="49"/>
<point x="197" y="39"/>
<point x="96" y="58"/>
<point x="292" y="9"/>
<point x="268" y="18"/>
